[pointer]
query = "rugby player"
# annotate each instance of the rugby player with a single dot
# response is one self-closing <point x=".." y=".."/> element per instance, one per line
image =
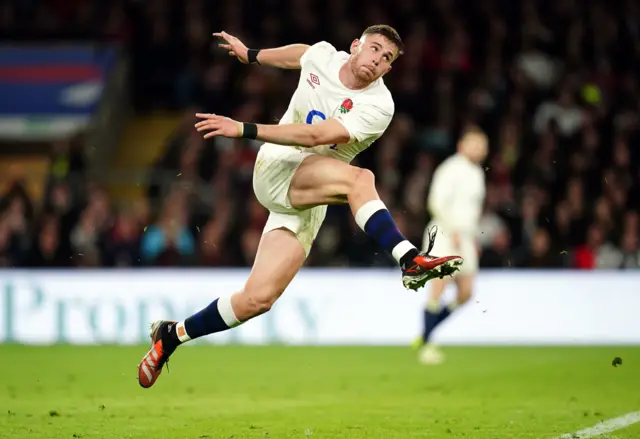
<point x="340" y="107"/>
<point x="455" y="201"/>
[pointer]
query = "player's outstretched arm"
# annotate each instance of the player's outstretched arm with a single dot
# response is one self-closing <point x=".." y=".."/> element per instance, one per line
<point x="328" y="132"/>
<point x="285" y="57"/>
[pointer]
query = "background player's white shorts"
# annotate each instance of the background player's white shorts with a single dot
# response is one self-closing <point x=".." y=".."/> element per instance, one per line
<point x="444" y="247"/>
<point x="272" y="175"/>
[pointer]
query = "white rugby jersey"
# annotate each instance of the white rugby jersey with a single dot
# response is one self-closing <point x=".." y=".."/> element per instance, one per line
<point x="456" y="196"/>
<point x="320" y="95"/>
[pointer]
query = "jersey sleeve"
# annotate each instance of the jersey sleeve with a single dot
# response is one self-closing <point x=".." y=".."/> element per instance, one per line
<point x="317" y="53"/>
<point x="367" y="121"/>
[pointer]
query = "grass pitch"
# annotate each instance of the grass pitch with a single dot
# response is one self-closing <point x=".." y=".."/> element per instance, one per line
<point x="215" y="392"/>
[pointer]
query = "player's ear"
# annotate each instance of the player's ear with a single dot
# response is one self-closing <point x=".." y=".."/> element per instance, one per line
<point x="354" y="46"/>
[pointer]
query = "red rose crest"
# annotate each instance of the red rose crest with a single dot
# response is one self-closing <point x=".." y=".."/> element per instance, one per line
<point x="346" y="106"/>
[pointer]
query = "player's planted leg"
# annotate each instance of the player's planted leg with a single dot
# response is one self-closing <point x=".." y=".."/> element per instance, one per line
<point x="280" y="255"/>
<point x="435" y="314"/>
<point x="323" y="180"/>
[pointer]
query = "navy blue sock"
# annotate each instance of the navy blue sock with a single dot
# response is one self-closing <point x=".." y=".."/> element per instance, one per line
<point x="432" y="320"/>
<point x="374" y="218"/>
<point x="205" y="322"/>
<point x="444" y="313"/>
<point x="218" y="316"/>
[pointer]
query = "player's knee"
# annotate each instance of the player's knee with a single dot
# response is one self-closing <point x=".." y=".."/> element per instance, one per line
<point x="259" y="300"/>
<point x="361" y="177"/>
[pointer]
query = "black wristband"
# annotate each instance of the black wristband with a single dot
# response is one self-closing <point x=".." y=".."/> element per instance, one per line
<point x="252" y="56"/>
<point x="249" y="130"/>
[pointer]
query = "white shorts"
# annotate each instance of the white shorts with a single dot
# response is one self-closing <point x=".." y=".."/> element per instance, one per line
<point x="443" y="246"/>
<point x="272" y="175"/>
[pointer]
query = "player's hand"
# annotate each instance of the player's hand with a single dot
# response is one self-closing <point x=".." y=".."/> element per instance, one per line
<point x="218" y="126"/>
<point x="234" y="46"/>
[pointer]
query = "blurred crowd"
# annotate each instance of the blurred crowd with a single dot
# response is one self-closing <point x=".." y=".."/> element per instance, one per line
<point x="554" y="84"/>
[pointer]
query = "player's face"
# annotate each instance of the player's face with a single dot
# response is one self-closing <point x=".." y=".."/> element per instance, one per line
<point x="371" y="56"/>
<point x="475" y="147"/>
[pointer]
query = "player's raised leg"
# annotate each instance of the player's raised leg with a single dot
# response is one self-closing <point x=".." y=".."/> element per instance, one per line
<point x="280" y="255"/>
<point x="324" y="180"/>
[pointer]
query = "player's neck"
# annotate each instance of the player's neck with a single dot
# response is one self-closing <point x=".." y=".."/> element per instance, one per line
<point x="350" y="80"/>
<point x="467" y="158"/>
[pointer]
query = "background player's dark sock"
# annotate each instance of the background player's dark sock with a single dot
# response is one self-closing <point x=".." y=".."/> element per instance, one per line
<point x="430" y="322"/>
<point x="444" y="313"/>
<point x="216" y="317"/>
<point x="434" y="314"/>
<point x="374" y="218"/>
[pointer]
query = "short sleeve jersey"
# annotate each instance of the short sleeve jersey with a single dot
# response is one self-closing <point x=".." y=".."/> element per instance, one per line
<point x="320" y="95"/>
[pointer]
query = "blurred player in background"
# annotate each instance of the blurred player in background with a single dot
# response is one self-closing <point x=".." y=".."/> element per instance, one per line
<point x="340" y="107"/>
<point x="455" y="202"/>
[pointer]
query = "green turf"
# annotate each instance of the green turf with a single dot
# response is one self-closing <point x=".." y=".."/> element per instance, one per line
<point x="288" y="392"/>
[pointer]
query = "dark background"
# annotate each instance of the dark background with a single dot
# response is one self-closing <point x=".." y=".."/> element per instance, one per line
<point x="553" y="83"/>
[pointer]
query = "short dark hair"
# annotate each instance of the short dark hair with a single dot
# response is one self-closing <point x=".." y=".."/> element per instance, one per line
<point x="389" y="33"/>
<point x="473" y="129"/>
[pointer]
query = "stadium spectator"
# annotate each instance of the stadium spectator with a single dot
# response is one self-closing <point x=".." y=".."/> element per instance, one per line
<point x="169" y="241"/>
